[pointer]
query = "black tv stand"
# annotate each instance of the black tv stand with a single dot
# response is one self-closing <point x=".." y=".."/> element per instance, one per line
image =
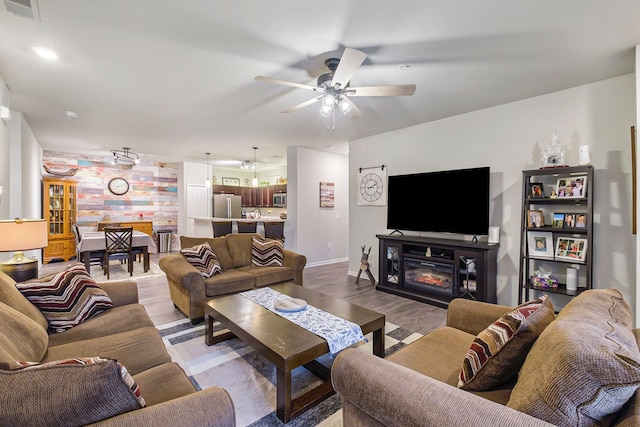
<point x="475" y="239"/>
<point x="435" y="270"/>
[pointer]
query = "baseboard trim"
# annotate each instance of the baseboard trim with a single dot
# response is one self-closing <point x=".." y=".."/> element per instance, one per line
<point x="326" y="262"/>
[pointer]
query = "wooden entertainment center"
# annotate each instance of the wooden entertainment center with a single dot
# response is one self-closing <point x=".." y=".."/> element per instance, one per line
<point x="435" y="270"/>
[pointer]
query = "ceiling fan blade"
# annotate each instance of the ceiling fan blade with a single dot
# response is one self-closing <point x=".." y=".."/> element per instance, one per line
<point x="286" y="83"/>
<point x="303" y="104"/>
<point x="349" y="64"/>
<point x="398" y="90"/>
<point x="354" y="112"/>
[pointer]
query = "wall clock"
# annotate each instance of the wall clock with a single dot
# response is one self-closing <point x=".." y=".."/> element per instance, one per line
<point x="118" y="186"/>
<point x="372" y="186"/>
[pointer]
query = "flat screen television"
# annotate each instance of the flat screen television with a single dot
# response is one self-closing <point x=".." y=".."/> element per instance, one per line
<point x="451" y="201"/>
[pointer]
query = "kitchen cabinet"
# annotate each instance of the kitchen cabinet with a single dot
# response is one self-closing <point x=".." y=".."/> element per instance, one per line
<point x="259" y="197"/>
<point x="59" y="208"/>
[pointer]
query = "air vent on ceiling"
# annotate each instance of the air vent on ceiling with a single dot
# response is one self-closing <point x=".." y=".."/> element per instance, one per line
<point x="24" y="8"/>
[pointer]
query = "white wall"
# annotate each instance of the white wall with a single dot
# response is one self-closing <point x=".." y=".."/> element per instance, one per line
<point x="321" y="234"/>
<point x="5" y="161"/>
<point x="510" y="138"/>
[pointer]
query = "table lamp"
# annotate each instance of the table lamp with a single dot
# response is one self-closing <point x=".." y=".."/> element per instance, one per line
<point x="22" y="235"/>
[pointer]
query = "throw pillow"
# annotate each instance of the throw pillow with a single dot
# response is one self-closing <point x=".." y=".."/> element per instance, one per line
<point x="585" y="366"/>
<point x="203" y="259"/>
<point x="267" y="252"/>
<point x="94" y="389"/>
<point x="67" y="298"/>
<point x="498" y="352"/>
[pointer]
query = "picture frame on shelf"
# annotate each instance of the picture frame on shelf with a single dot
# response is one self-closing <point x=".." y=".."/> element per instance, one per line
<point x="558" y="220"/>
<point x="231" y="181"/>
<point x="572" y="187"/>
<point x="571" y="249"/>
<point x="535" y="219"/>
<point x="581" y="220"/>
<point x="569" y="220"/>
<point x="540" y="244"/>
<point x="536" y="190"/>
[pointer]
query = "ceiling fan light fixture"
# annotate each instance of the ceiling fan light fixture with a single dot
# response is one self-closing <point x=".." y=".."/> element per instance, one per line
<point x="327" y="105"/>
<point x="344" y="105"/>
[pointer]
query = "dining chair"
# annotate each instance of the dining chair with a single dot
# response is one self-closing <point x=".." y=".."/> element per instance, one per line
<point x="95" y="257"/>
<point x="221" y="228"/>
<point x="274" y="230"/>
<point x="247" y="227"/>
<point x="118" y="246"/>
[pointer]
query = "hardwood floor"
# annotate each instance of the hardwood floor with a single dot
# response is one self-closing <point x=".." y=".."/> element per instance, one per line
<point x="331" y="279"/>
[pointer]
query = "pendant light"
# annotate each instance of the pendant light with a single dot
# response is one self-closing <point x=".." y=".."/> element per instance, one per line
<point x="207" y="183"/>
<point x="255" y="167"/>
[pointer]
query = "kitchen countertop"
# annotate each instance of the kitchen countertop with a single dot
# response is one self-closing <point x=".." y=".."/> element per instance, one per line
<point x="261" y="219"/>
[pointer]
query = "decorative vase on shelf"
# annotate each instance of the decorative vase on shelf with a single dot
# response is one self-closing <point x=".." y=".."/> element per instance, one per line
<point x="553" y="156"/>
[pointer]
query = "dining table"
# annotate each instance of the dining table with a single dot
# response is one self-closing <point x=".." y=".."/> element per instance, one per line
<point x="94" y="241"/>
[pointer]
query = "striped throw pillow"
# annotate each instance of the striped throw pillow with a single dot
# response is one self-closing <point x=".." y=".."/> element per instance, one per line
<point x="68" y="298"/>
<point x="203" y="259"/>
<point x="267" y="253"/>
<point x="497" y="353"/>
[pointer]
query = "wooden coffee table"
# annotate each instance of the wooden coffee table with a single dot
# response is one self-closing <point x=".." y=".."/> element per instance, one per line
<point x="286" y="344"/>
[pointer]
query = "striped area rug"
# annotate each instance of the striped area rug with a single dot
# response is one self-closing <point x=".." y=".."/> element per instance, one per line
<point x="250" y="378"/>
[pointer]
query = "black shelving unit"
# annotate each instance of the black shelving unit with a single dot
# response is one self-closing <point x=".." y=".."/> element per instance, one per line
<point x="556" y="260"/>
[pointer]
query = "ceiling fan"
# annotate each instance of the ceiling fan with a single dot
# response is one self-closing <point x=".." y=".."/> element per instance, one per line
<point x="335" y="89"/>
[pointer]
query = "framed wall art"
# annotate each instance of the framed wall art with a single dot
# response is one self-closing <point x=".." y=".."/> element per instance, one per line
<point x="327" y="195"/>
<point x="231" y="181"/>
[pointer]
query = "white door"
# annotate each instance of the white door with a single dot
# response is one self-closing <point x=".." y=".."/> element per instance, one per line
<point x="198" y="205"/>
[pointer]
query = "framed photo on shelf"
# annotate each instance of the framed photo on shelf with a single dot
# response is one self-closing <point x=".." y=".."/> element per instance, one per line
<point x="572" y="187"/>
<point x="581" y="220"/>
<point x="569" y="220"/>
<point x="536" y="190"/>
<point x="571" y="249"/>
<point x="231" y="181"/>
<point x="540" y="244"/>
<point x="535" y="218"/>
<point x="558" y="220"/>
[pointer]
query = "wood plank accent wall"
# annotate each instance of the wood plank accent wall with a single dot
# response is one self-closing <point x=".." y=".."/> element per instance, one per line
<point x="153" y="191"/>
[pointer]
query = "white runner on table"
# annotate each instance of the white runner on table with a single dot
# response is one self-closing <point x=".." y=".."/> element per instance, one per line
<point x="338" y="332"/>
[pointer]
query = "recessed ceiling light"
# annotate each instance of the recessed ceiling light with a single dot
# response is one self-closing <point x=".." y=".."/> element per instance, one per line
<point x="45" y="53"/>
<point x="72" y="114"/>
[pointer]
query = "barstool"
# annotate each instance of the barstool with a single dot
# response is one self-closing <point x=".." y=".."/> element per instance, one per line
<point x="221" y="228"/>
<point x="469" y="267"/>
<point x="274" y="230"/>
<point x="247" y="227"/>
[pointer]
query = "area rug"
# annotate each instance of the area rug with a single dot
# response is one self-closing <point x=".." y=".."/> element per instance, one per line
<point x="250" y="378"/>
<point x="119" y="271"/>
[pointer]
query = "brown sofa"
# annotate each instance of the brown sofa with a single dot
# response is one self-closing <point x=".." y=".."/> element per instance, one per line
<point x="189" y="289"/>
<point x="71" y="395"/>
<point x="583" y="365"/>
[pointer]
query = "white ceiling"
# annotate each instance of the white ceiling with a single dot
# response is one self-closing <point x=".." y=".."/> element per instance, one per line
<point x="173" y="80"/>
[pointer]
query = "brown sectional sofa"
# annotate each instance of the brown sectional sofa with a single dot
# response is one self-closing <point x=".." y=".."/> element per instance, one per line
<point x="189" y="290"/>
<point x="125" y="333"/>
<point x="584" y="364"/>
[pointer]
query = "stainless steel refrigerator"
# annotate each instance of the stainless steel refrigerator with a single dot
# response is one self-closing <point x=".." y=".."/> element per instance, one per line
<point x="227" y="206"/>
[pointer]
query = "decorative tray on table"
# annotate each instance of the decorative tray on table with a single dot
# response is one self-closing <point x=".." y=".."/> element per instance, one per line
<point x="290" y="305"/>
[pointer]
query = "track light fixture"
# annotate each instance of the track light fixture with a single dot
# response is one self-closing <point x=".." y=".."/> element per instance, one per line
<point x="125" y="156"/>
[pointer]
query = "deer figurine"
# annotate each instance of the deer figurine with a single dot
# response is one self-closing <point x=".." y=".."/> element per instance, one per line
<point x="364" y="265"/>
